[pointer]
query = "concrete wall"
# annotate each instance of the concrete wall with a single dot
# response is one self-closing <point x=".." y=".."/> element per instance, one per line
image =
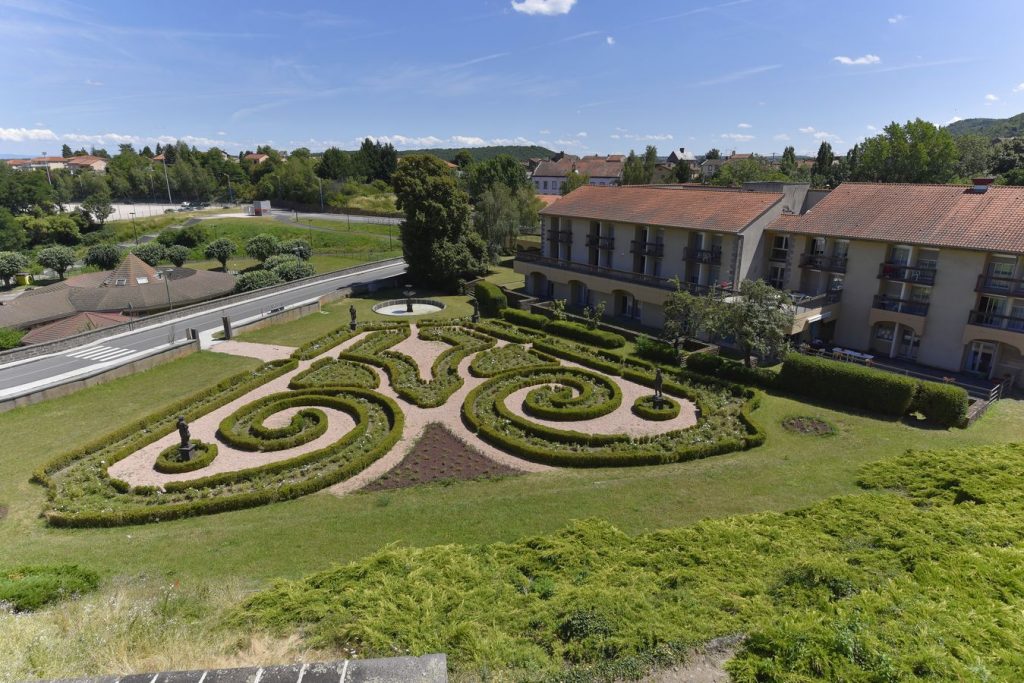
<point x="180" y="351"/>
<point x="752" y="262"/>
<point x="853" y="329"/>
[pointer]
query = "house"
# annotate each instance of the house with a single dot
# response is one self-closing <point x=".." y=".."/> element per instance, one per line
<point x="133" y="288"/>
<point x="256" y="158"/>
<point x="681" y="156"/>
<point x="38" y="163"/>
<point x="932" y="274"/>
<point x="549" y="176"/>
<point x="93" y="163"/>
<point x="710" y="167"/>
<point x="625" y="246"/>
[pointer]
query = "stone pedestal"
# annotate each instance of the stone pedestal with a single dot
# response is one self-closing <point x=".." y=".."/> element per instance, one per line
<point x="185" y="453"/>
<point x="352" y="326"/>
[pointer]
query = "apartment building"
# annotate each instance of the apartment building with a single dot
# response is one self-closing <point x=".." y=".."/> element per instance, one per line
<point x="928" y="273"/>
<point x="626" y="245"/>
<point x="550" y="175"/>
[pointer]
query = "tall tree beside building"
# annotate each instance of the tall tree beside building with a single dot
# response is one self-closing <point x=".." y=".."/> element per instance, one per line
<point x="759" y="320"/>
<point x="917" y="152"/>
<point x="639" y="170"/>
<point x="713" y="153"/>
<point x="573" y="181"/>
<point x="500" y="214"/>
<point x="65" y="151"/>
<point x="788" y="163"/>
<point x="463" y="159"/>
<point x="501" y="170"/>
<point x="437" y="242"/>
<point x="735" y="173"/>
<point x="974" y="155"/>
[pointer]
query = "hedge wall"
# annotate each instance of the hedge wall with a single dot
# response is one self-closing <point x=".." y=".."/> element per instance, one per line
<point x="490" y="298"/>
<point x="851" y="385"/>
<point x="944" y="404"/>
<point x="581" y="333"/>
<point x="517" y="317"/>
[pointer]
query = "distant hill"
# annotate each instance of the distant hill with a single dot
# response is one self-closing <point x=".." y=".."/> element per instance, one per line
<point x="990" y="128"/>
<point x="520" y="152"/>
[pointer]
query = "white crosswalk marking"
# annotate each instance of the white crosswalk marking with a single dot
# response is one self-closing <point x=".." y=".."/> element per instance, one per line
<point x="100" y="353"/>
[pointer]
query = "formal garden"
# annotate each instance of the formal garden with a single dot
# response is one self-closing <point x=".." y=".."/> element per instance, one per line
<point x="618" y="500"/>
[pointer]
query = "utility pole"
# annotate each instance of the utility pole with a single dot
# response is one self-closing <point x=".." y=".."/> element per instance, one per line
<point x="134" y="229"/>
<point x="47" y="165"/>
<point x="231" y="195"/>
<point x="321" y="194"/>
<point x="167" y="180"/>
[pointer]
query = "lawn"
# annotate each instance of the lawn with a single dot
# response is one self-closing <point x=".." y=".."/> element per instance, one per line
<point x="355" y="227"/>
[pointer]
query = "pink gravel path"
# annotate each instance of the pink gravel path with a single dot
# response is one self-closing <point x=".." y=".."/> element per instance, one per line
<point x="423" y="351"/>
<point x="264" y="352"/>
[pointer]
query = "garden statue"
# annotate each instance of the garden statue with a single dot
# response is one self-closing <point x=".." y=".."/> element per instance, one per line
<point x="183" y="431"/>
<point x="476" y="309"/>
<point x="659" y="382"/>
<point x="187" y="448"/>
<point x="352" y="317"/>
<point x="409" y="294"/>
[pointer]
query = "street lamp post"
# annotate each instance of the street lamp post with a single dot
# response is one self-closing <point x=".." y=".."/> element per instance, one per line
<point x="321" y="194"/>
<point x="134" y="228"/>
<point x="168" y="181"/>
<point x="231" y="195"/>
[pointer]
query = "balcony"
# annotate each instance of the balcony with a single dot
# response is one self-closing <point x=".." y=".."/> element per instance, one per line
<point x="601" y="242"/>
<point x="994" y="284"/>
<point x="611" y="273"/>
<point x="712" y="256"/>
<point x="829" y="264"/>
<point x="996" y="321"/>
<point x="564" y="236"/>
<point x="900" y="272"/>
<point x="656" y="249"/>
<point x="888" y="303"/>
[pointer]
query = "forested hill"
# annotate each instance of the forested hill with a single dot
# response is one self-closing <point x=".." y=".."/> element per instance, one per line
<point x="519" y="152"/>
<point x="990" y="128"/>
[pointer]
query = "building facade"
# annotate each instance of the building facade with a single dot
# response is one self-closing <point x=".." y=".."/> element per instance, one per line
<point x="550" y="175"/>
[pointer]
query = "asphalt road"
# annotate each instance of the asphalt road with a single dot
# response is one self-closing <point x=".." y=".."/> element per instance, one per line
<point x="23" y="377"/>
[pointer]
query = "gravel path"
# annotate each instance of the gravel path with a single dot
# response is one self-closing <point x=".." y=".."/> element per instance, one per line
<point x="264" y="352"/>
<point x="137" y="469"/>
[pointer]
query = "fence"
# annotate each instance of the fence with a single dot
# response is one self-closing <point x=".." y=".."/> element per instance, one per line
<point x="327" y="208"/>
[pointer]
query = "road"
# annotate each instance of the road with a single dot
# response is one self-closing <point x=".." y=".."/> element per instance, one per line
<point x="22" y="377"/>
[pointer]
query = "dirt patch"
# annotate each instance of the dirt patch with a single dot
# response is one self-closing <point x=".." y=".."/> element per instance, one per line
<point x="703" y="665"/>
<point x="3" y="511"/>
<point x="808" y="425"/>
<point x="439" y="455"/>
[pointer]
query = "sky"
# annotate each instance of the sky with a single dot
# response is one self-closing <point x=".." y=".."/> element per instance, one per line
<point x="584" y="76"/>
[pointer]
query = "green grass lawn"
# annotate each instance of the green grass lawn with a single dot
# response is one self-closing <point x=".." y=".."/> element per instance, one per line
<point x="344" y="226"/>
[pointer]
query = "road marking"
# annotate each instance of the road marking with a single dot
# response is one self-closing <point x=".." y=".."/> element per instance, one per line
<point x="100" y="353"/>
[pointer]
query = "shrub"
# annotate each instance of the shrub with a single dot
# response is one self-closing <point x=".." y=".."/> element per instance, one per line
<point x="151" y="252"/>
<point x="104" y="256"/>
<point x="191" y="236"/>
<point x="581" y="333"/>
<point x="491" y="299"/>
<point x="656" y="350"/>
<point x="293" y="269"/>
<point x="177" y="255"/>
<point x="644" y="407"/>
<point x="9" y="338"/>
<point x="517" y="317"/>
<point x="28" y="588"/>
<point x="167" y="462"/>
<point x="298" y="248"/>
<point x="944" y="404"/>
<point x="58" y="259"/>
<point x="262" y="246"/>
<point x="257" y="279"/>
<point x="167" y="237"/>
<point x="221" y="250"/>
<point x="852" y="385"/>
<point x="716" y="366"/>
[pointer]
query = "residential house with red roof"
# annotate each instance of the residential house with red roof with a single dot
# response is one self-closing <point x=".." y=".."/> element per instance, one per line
<point x="550" y="175"/>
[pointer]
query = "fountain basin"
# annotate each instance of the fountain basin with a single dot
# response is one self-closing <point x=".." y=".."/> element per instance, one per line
<point x="399" y="307"/>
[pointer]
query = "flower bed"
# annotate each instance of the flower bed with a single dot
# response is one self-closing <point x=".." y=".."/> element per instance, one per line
<point x="512" y="357"/>
<point x="328" y="372"/>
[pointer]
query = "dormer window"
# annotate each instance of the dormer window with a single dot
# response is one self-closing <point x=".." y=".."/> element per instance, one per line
<point x="121" y="282"/>
<point x="142" y="280"/>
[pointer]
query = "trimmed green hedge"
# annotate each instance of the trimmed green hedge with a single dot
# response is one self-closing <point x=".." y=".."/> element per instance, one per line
<point x="325" y="343"/>
<point x="851" y="385"/>
<point x="244" y="430"/>
<point x="505" y="358"/>
<point x="491" y="299"/>
<point x="595" y="396"/>
<point x="715" y="365"/>
<point x="581" y="333"/>
<point x="524" y="318"/>
<point x="944" y="404"/>
<point x="167" y="462"/>
<point x="644" y="407"/>
<point x="328" y="372"/>
<point x="656" y="350"/>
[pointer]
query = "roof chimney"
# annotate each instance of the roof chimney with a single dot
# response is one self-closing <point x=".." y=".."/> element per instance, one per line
<point x="981" y="184"/>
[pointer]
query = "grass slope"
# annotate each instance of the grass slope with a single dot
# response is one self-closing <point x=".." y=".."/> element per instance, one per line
<point x="925" y="584"/>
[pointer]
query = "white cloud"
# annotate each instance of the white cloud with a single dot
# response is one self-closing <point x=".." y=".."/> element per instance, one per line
<point x="737" y="75"/>
<point x="781" y="137"/>
<point x="871" y="128"/>
<point x="744" y="125"/>
<point x="953" y="120"/>
<point x="545" y="132"/>
<point x="23" y="134"/>
<point x="991" y="98"/>
<point x="648" y="137"/>
<point x="609" y="40"/>
<point x="425" y="141"/>
<point x="1019" y="88"/>
<point x="807" y="129"/>
<point x="221" y="133"/>
<point x="858" y="61"/>
<point x="897" y="19"/>
<point x="737" y="137"/>
<point x="581" y="134"/>
<point x="820" y="134"/>
<point x="546" y="8"/>
<point x="95" y="84"/>
<point x="468" y="140"/>
<point x="125" y="139"/>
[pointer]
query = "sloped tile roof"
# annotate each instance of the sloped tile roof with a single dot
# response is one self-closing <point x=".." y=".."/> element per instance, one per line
<point x="951" y="216"/>
<point x="129" y="272"/>
<point x="697" y="208"/>
<point x="76" y="324"/>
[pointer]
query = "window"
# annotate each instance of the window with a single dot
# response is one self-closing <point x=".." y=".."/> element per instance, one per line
<point x="777" y="276"/>
<point x="919" y="294"/>
<point x="120" y="282"/>
<point x="900" y="255"/>
<point x="142" y="280"/>
<point x="885" y="332"/>
<point x="818" y="246"/>
<point x="928" y="258"/>
<point x="545" y="184"/>
<point x="780" y="248"/>
<point x="841" y="249"/>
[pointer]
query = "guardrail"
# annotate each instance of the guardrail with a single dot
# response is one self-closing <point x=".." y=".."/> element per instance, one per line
<point x="25" y="352"/>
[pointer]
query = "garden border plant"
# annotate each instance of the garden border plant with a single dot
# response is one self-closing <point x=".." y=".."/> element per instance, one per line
<point x="644" y="407"/>
<point x="167" y="462"/>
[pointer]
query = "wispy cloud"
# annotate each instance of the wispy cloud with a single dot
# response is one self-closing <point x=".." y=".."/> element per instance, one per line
<point x="24" y="134"/>
<point x="476" y="60"/>
<point x="913" y="65"/>
<point x="820" y="134"/>
<point x="737" y="75"/>
<point x="736" y="137"/>
<point x="94" y="84"/>
<point x="743" y="125"/>
<point x="640" y="137"/>
<point x="1019" y="88"/>
<point x="953" y="120"/>
<point x="781" y="137"/>
<point x="426" y="141"/>
<point x="990" y="98"/>
<point x="896" y="19"/>
<point x="691" y="12"/>
<point x="546" y="8"/>
<point x="609" y="40"/>
<point x="858" y="61"/>
<point x="575" y="36"/>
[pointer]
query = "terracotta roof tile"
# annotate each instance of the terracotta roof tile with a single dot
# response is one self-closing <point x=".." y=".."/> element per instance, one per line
<point x="951" y="216"/>
<point x="76" y="324"/>
<point x="719" y="210"/>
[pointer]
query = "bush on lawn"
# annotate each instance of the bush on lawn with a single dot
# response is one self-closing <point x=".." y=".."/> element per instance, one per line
<point x="30" y="587"/>
<point x="581" y="333"/>
<point x="656" y="350"/>
<point x="847" y="384"/>
<point x="256" y="279"/>
<point x="490" y="298"/>
<point x="944" y="404"/>
<point x="524" y="318"/>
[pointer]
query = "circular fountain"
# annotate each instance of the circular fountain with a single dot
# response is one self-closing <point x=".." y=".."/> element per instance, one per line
<point x="408" y="306"/>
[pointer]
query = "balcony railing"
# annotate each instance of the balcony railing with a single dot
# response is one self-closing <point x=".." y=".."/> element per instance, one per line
<point x="831" y="264"/>
<point x="621" y="275"/>
<point x="647" y="248"/>
<point x="712" y="256"/>
<point x="996" y="320"/>
<point x="920" y="275"/>
<point x="565" y="236"/>
<point x="600" y="241"/>
<point x="777" y="254"/>
<point x="888" y="303"/>
<point x="994" y="284"/>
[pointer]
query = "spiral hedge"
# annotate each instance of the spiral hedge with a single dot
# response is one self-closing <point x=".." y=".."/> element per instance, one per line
<point x="579" y="395"/>
<point x="244" y="429"/>
<point x="328" y="372"/>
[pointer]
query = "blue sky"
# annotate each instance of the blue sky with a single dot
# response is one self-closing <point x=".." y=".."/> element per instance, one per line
<point x="587" y="76"/>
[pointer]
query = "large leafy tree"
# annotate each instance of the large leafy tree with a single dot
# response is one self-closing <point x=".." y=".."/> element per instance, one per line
<point x="639" y="170"/>
<point x="735" y="173"/>
<point x="221" y="249"/>
<point x="788" y="164"/>
<point x="437" y="243"/>
<point x="58" y="259"/>
<point x="759" y="320"/>
<point x="12" y="233"/>
<point x="11" y="263"/>
<point x="687" y="315"/>
<point x="713" y="153"/>
<point x="262" y="246"/>
<point x="917" y="152"/>
<point x="574" y="181"/>
<point x="151" y="252"/>
<point x="974" y="155"/>
<point x="501" y="170"/>
<point x="334" y="164"/>
<point x="99" y="207"/>
<point x="103" y="256"/>
<point x="499" y="215"/>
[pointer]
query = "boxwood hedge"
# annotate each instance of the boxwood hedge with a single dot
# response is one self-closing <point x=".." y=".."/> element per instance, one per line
<point x="852" y="385"/>
<point x="490" y="297"/>
<point x="167" y="462"/>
